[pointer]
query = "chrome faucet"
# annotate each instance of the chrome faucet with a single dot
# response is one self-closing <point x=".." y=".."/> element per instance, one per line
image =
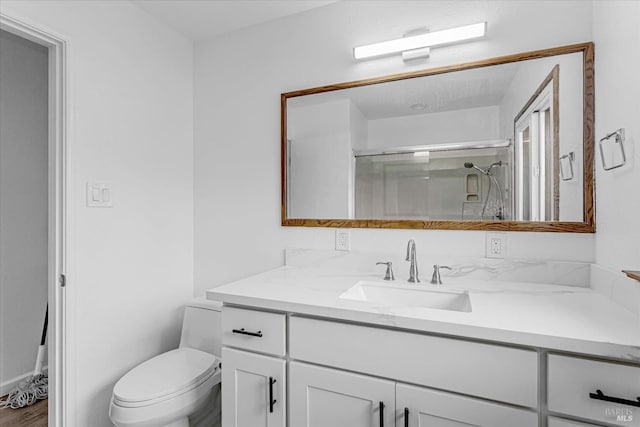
<point x="389" y="274"/>
<point x="411" y="257"/>
<point x="435" y="279"/>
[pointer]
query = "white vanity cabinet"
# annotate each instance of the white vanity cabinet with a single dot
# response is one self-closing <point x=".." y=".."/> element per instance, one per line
<point x="254" y="391"/>
<point x="293" y="370"/>
<point x="488" y="371"/>
<point x="323" y="397"/>
<point x="423" y="407"/>
<point x="253" y="330"/>
<point x="596" y="390"/>
<point x="253" y="394"/>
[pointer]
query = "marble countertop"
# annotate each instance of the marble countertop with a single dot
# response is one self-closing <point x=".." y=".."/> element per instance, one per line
<point x="555" y="317"/>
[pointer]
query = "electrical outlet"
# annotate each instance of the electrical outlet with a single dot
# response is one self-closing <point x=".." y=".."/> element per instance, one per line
<point x="496" y="245"/>
<point x="343" y="242"/>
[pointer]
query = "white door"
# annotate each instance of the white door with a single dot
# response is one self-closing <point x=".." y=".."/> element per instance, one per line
<point x="533" y="152"/>
<point x="321" y="397"/>
<point x="422" y="407"/>
<point x="253" y="394"/>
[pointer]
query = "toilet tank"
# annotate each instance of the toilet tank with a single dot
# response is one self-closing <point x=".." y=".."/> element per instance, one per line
<point x="201" y="327"/>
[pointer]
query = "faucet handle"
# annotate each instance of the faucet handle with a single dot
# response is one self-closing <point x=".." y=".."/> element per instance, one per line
<point x="436" y="279"/>
<point x="389" y="274"/>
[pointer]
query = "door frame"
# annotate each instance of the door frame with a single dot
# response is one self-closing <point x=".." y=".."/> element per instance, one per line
<point x="546" y="96"/>
<point x="534" y="120"/>
<point x="58" y="204"/>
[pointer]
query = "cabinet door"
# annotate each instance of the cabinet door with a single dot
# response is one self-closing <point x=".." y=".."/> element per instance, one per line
<point x="253" y="394"/>
<point x="321" y="397"/>
<point x="422" y="407"/>
<point x="557" y="422"/>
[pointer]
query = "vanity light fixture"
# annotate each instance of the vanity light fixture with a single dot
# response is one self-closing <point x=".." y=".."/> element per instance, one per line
<point x="437" y="38"/>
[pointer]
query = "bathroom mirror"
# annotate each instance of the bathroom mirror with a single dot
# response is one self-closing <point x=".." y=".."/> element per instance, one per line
<point x="499" y="144"/>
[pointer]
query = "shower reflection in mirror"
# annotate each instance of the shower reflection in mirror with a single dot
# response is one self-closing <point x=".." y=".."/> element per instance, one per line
<point x="469" y="182"/>
<point x="393" y="151"/>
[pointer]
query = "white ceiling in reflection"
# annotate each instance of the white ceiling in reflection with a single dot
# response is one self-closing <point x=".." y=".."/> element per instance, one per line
<point x="480" y="87"/>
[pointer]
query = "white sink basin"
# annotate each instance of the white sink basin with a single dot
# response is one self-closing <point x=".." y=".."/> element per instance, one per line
<point x="411" y="295"/>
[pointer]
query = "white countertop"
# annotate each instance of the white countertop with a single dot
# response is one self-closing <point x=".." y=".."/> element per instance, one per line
<point x="556" y="317"/>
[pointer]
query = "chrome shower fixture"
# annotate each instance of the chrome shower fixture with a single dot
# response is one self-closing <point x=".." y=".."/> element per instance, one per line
<point x="492" y="179"/>
<point x="487" y="171"/>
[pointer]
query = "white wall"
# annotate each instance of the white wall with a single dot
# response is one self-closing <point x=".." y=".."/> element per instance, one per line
<point x="131" y="266"/>
<point x="358" y="128"/>
<point x="320" y="150"/>
<point x="617" y="36"/>
<point x="253" y="66"/>
<point x="472" y="124"/>
<point x="23" y="204"/>
<point x="359" y="139"/>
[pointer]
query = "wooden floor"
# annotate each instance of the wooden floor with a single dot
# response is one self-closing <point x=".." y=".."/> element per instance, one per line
<point x="31" y="416"/>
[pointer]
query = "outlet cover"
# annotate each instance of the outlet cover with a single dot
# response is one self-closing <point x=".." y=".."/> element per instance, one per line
<point x="343" y="239"/>
<point x="496" y="245"/>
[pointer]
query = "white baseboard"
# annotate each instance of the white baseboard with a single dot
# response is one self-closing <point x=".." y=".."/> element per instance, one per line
<point x="9" y="385"/>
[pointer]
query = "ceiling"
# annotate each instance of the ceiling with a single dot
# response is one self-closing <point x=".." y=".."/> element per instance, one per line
<point x="479" y="87"/>
<point x="204" y="19"/>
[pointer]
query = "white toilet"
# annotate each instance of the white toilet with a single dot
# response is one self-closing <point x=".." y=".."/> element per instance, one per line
<point x="179" y="388"/>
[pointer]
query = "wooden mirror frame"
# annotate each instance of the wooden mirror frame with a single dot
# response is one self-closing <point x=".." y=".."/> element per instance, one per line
<point x="586" y="226"/>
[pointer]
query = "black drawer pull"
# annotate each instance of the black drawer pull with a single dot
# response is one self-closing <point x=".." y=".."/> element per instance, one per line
<point x="599" y="395"/>
<point x="406" y="417"/>
<point x="272" y="401"/>
<point x="381" y="406"/>
<point x="243" y="332"/>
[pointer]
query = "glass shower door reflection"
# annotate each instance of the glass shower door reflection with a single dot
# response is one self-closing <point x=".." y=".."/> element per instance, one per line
<point x="428" y="187"/>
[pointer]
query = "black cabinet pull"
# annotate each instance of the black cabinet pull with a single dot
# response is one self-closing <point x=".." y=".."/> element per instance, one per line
<point x="243" y="332"/>
<point x="599" y="395"/>
<point x="406" y="417"/>
<point x="272" y="401"/>
<point x="381" y="406"/>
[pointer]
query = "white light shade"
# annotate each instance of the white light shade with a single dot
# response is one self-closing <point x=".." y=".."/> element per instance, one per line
<point x="436" y="38"/>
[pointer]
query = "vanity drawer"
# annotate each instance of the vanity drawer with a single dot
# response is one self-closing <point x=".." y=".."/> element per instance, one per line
<point x="477" y="369"/>
<point x="254" y="330"/>
<point x="572" y="379"/>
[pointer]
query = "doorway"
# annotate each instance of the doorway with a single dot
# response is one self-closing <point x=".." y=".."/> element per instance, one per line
<point x="536" y="150"/>
<point x="52" y="200"/>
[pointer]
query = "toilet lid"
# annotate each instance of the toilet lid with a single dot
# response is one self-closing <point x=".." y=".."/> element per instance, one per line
<point x="165" y="374"/>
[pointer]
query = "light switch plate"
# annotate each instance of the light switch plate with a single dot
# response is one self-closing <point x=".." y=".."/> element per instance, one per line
<point x="99" y="195"/>
<point x="496" y="245"/>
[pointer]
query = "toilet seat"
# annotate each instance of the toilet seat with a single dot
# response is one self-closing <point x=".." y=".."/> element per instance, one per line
<point x="167" y="411"/>
<point x="165" y="377"/>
